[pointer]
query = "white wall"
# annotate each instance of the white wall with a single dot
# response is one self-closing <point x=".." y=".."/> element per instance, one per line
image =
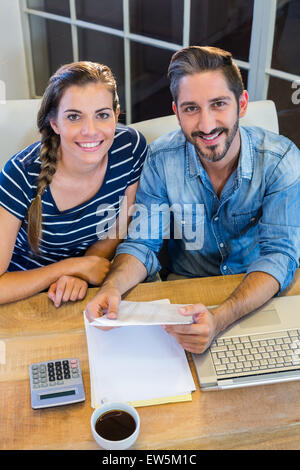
<point x="12" y="55"/>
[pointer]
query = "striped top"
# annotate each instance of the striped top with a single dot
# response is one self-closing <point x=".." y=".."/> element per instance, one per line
<point x="68" y="233"/>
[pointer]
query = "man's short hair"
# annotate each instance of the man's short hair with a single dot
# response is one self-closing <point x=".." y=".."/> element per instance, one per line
<point x="197" y="59"/>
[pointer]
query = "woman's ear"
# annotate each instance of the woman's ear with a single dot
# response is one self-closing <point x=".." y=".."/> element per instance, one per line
<point x="117" y="114"/>
<point x="54" y="126"/>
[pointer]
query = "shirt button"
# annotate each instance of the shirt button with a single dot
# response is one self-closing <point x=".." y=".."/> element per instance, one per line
<point x="221" y="245"/>
<point x="216" y="219"/>
<point x="225" y="267"/>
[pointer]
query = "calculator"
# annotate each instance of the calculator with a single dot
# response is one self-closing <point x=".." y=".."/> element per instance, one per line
<point x="55" y="383"/>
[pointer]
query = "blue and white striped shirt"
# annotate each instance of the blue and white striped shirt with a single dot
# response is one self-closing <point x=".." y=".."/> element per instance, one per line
<point x="70" y="232"/>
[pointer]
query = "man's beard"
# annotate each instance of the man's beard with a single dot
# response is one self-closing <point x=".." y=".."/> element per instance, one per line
<point x="212" y="155"/>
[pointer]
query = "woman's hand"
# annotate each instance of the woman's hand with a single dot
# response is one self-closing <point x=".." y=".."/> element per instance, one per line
<point x="92" y="269"/>
<point x="67" y="288"/>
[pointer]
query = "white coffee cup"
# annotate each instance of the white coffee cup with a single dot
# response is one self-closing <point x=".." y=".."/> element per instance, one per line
<point x="110" y="444"/>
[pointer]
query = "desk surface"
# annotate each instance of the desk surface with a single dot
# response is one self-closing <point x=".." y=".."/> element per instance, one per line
<point x="264" y="417"/>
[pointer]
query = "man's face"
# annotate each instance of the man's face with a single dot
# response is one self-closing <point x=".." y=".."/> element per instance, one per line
<point x="209" y="114"/>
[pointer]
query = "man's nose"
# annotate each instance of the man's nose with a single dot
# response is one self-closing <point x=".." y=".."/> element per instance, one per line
<point x="207" y="121"/>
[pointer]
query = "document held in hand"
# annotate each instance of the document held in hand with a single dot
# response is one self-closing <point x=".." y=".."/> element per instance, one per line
<point x="145" y="313"/>
<point x="141" y="365"/>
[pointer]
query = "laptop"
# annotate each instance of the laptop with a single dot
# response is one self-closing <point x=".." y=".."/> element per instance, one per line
<point x="261" y="348"/>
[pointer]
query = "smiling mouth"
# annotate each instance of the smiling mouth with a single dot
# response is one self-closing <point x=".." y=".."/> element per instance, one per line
<point x="90" y="145"/>
<point x="210" y="139"/>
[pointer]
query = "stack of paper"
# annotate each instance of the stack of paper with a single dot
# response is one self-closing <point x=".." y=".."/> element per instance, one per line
<point x="141" y="365"/>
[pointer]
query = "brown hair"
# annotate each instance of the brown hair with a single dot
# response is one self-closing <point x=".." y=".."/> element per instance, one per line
<point x="76" y="73"/>
<point x="197" y="59"/>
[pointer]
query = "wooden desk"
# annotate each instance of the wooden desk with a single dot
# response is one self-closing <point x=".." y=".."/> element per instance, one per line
<point x="264" y="417"/>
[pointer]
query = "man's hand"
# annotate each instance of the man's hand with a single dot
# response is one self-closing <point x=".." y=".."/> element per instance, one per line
<point x="197" y="336"/>
<point x="106" y="301"/>
<point x="67" y="288"/>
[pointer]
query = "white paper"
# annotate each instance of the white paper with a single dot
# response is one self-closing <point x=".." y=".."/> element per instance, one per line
<point x="145" y="313"/>
<point x="136" y="363"/>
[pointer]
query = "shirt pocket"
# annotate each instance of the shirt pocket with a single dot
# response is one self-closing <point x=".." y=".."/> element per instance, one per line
<point x="189" y="225"/>
<point x="243" y="222"/>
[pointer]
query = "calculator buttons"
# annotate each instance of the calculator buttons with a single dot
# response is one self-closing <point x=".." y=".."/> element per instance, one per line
<point x="54" y="373"/>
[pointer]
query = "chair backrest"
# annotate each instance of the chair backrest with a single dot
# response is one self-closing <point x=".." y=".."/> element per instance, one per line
<point x="259" y="113"/>
<point x="18" y="124"/>
<point x="18" y="127"/>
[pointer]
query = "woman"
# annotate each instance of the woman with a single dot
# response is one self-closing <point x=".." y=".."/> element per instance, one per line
<point x="64" y="201"/>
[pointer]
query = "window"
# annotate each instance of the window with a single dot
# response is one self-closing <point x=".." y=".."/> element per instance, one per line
<point x="137" y="38"/>
<point x="285" y="68"/>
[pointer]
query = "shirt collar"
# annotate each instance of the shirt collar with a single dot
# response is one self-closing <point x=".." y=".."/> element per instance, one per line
<point x="193" y="164"/>
<point x="245" y="166"/>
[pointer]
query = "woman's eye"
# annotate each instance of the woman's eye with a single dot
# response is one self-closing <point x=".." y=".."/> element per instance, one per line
<point x="73" y="117"/>
<point x="103" y="115"/>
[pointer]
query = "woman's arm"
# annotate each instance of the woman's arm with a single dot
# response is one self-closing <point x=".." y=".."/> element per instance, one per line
<point x="21" y="284"/>
<point x="70" y="288"/>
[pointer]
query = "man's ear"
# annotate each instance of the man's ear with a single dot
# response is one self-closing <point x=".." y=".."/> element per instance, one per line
<point x="243" y="100"/>
<point x="175" y="110"/>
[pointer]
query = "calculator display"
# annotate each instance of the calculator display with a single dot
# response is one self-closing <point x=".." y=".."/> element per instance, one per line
<point x="58" y="394"/>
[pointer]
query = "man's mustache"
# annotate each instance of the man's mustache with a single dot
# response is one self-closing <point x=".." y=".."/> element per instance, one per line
<point x="217" y="130"/>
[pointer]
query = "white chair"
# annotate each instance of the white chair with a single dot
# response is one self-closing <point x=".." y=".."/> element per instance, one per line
<point x="18" y="124"/>
<point x="18" y="127"/>
<point x="259" y="113"/>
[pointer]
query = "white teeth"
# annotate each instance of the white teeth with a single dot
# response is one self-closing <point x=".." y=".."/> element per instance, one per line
<point x="89" y="144"/>
<point x="212" y="137"/>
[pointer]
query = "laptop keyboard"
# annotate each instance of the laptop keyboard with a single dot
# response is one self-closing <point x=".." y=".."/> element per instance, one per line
<point x="255" y="354"/>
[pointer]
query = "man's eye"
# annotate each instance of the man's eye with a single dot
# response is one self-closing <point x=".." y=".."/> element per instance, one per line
<point x="219" y="104"/>
<point x="190" y="109"/>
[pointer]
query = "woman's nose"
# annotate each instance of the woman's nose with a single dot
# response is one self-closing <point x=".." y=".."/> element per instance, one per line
<point x="89" y="127"/>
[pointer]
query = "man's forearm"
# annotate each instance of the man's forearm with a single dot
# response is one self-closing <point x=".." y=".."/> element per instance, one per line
<point x="255" y="289"/>
<point x="126" y="272"/>
<point x="103" y="248"/>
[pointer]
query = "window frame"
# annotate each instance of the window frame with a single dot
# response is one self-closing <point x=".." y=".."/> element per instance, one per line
<point x="258" y="66"/>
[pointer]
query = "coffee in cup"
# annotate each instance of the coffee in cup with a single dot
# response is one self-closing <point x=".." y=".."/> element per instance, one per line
<point x="115" y="426"/>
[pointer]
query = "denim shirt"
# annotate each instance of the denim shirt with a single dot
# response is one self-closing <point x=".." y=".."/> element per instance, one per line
<point x="253" y="226"/>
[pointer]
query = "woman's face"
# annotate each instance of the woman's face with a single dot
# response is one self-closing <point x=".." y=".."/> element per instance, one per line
<point x="86" y="123"/>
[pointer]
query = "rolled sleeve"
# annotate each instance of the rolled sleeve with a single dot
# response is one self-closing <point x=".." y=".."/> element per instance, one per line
<point x="142" y="253"/>
<point x="279" y="265"/>
<point x="279" y="228"/>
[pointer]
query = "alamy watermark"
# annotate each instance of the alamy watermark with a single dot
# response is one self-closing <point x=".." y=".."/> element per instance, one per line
<point x="178" y="221"/>
<point x="296" y="94"/>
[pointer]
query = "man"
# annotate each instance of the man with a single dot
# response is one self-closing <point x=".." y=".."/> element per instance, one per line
<point x="241" y="190"/>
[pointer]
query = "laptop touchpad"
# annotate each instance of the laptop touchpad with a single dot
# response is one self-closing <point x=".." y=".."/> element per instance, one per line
<point x="263" y="318"/>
